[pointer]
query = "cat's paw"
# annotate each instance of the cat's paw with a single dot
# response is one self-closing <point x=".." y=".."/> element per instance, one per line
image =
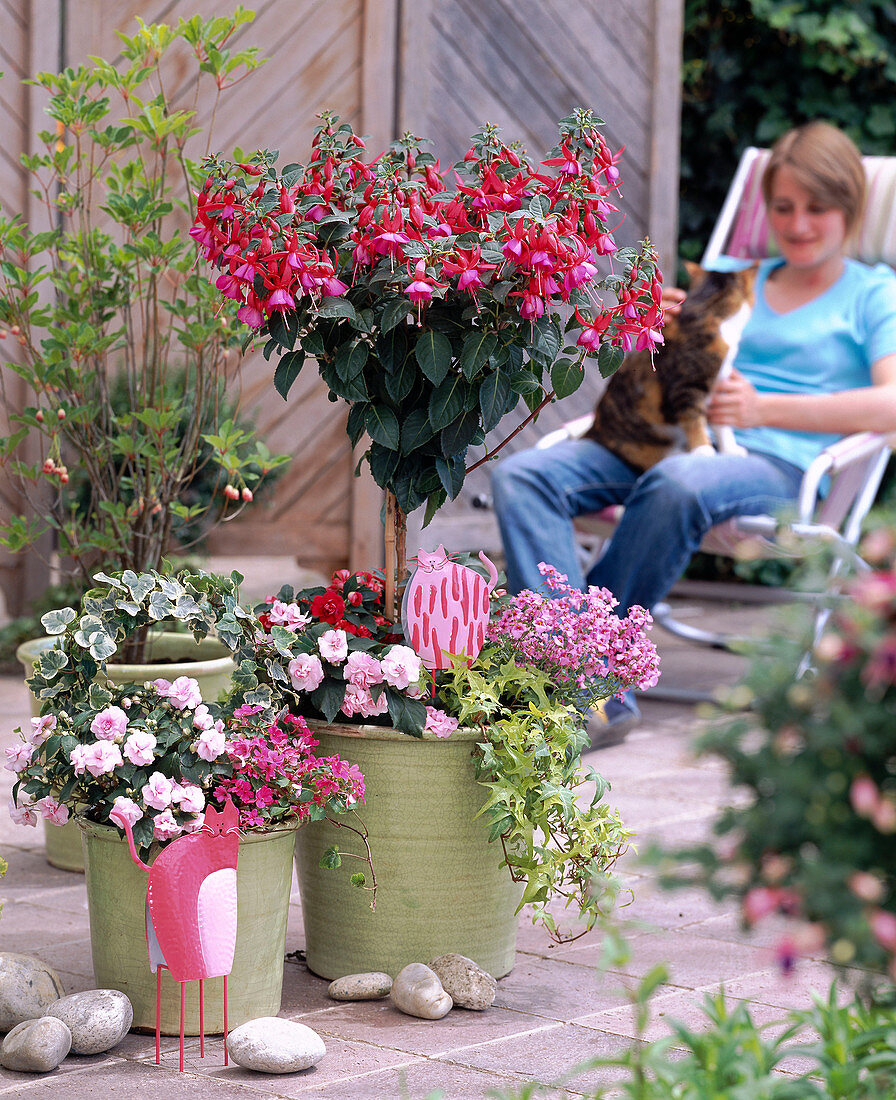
<point x="704" y="449"/>
<point x="732" y="449"/>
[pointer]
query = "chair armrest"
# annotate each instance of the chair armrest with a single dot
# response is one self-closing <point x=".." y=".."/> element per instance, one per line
<point x="833" y="460"/>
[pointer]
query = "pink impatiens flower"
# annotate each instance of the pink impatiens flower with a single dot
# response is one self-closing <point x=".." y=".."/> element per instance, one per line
<point x="18" y="757"/>
<point x="52" y="810"/>
<point x="102" y="758"/>
<point x="333" y="645"/>
<point x="139" y="748"/>
<point x="184" y="693"/>
<point x="42" y="728"/>
<point x="190" y="798"/>
<point x="439" y="723"/>
<point x="165" y="827"/>
<point x="305" y="672"/>
<point x="158" y="791"/>
<point x="109" y="724"/>
<point x="23" y="814"/>
<point x="125" y="809"/>
<point x="401" y="667"/>
<point x="362" y="670"/>
<point x="211" y="743"/>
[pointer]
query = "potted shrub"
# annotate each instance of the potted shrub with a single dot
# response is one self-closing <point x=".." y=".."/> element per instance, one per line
<point x="123" y="346"/>
<point x="433" y="303"/>
<point x="157" y="751"/>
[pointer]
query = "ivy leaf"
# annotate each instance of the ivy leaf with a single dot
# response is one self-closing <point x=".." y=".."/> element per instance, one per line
<point x="381" y="424"/>
<point x="287" y="371"/>
<point x="566" y="377"/>
<point x="433" y="353"/>
<point x="331" y="859"/>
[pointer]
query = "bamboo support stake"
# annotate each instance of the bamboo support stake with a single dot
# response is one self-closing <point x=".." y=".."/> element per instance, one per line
<point x="395" y="539"/>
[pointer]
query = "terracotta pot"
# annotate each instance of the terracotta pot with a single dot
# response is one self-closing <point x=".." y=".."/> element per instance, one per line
<point x="440" y="884"/>
<point x="212" y="667"/>
<point x="116" y="900"/>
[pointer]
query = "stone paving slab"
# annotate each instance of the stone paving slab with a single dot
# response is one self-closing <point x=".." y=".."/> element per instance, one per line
<point x="556" y="1008"/>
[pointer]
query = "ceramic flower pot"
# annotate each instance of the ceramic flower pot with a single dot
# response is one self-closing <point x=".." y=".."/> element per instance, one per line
<point x="168" y="656"/>
<point x="440" y="886"/>
<point x="116" y="900"/>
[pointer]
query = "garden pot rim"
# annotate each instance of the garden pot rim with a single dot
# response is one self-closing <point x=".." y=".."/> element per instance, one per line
<point x="390" y="733"/>
<point x="32" y="648"/>
<point x="251" y="836"/>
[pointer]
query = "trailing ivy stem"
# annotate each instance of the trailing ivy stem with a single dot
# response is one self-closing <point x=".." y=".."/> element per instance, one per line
<point x="361" y="831"/>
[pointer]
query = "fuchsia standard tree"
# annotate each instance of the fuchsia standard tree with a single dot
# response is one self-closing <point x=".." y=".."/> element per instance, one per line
<point x="433" y="302"/>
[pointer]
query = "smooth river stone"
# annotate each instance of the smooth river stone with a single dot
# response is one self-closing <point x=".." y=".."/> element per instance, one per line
<point x="468" y="985"/>
<point x="272" y="1045"/>
<point x="27" y="987"/>
<point x="360" y="987"/>
<point x="417" y="991"/>
<point x="98" y="1019"/>
<point x="36" y="1046"/>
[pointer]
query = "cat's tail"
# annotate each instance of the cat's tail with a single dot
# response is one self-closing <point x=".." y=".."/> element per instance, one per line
<point x="122" y="822"/>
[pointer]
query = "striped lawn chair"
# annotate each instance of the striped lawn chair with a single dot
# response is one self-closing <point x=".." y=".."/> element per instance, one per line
<point x="851" y="468"/>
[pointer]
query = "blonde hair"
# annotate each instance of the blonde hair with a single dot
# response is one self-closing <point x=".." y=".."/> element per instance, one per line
<point x="824" y="161"/>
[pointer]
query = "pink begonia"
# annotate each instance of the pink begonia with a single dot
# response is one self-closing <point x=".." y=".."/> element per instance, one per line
<point x="139" y="748"/>
<point x="202" y="718"/>
<point x="23" y="814"/>
<point x="184" y="693"/>
<point x="362" y="670"/>
<point x="102" y="758"/>
<point x="125" y="809"/>
<point x="401" y="667"/>
<point x="51" y="810"/>
<point x="211" y="743"/>
<point x="439" y="723"/>
<point x="158" y="791"/>
<point x="359" y="702"/>
<point x="42" y="728"/>
<point x="109" y="724"/>
<point x="305" y="672"/>
<point x="333" y="646"/>
<point x="164" y="827"/>
<point x="190" y="798"/>
<point x="288" y="615"/>
<point x="18" y="757"/>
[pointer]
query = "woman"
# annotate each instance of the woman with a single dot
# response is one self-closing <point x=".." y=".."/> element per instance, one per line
<point x="817" y="360"/>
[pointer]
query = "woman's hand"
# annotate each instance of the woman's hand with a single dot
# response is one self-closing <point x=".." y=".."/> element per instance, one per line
<point x="672" y="298"/>
<point x="734" y="402"/>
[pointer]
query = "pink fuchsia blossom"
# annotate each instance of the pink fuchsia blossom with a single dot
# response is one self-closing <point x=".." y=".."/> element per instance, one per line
<point x="125" y="809"/>
<point x="164" y="827"/>
<point x="212" y="743"/>
<point x="139" y="748"/>
<point x="52" y="810"/>
<point x="305" y="672"/>
<point x="110" y="724"/>
<point x="362" y="670"/>
<point x="18" y="757"/>
<point x="158" y="791"/>
<point x="864" y="795"/>
<point x="42" y="728"/>
<point x="333" y="644"/>
<point x="102" y="758"/>
<point x="439" y="723"/>
<point x="401" y="667"/>
<point x="23" y="814"/>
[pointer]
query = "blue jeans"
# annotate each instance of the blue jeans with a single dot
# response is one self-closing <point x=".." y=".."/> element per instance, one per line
<point x="668" y="510"/>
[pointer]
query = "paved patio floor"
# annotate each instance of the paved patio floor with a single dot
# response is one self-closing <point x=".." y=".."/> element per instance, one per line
<point x="554" y="1010"/>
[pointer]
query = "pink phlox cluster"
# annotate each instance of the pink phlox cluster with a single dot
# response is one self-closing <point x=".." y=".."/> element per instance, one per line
<point x="576" y="637"/>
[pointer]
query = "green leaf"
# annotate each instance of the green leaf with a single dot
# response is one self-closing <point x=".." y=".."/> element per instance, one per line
<point x="395" y="312"/>
<point x="478" y="346"/>
<point x="400" y="380"/>
<point x="383" y="463"/>
<point x="331" y="859"/>
<point x="337" y="307"/>
<point x="287" y="371"/>
<point x="609" y="359"/>
<point x="455" y="439"/>
<point x="407" y="715"/>
<point x="494" y="396"/>
<point x="283" y="326"/>
<point x="540" y="206"/>
<point x="451" y="473"/>
<point x="546" y="341"/>
<point x="447" y="401"/>
<point x="415" y="431"/>
<point x="350" y="360"/>
<point x="328" y="698"/>
<point x="358" y="879"/>
<point x="433" y="353"/>
<point x="382" y="426"/>
<point x="566" y="377"/>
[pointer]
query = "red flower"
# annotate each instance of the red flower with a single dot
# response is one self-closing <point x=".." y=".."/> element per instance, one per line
<point x="329" y="608"/>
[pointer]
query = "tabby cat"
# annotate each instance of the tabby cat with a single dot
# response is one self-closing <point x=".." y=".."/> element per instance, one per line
<point x="653" y="407"/>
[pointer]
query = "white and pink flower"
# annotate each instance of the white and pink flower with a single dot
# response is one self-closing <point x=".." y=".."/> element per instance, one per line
<point x="42" y="728"/>
<point x="212" y="742"/>
<point x="110" y="724"/>
<point x="102" y="758"/>
<point x="23" y="814"/>
<point x="158" y="791"/>
<point x="164" y="827"/>
<point x="189" y="797"/>
<point x="52" y="810"/>
<point x="139" y="748"/>
<point x="184" y="693"/>
<point x="362" y="670"/>
<point x="125" y="809"/>
<point x="305" y="672"/>
<point x="401" y="667"/>
<point x="202" y="718"/>
<point x="439" y="723"/>
<point x="288" y="615"/>
<point x="18" y="757"/>
<point x="333" y="646"/>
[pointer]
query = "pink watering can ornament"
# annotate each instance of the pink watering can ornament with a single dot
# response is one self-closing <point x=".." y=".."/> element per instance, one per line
<point x="191" y="906"/>
<point x="446" y="607"/>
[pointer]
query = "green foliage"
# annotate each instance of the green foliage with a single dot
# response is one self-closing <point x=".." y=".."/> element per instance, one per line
<point x="101" y="298"/>
<point x="754" y="68"/>
<point x="558" y="841"/>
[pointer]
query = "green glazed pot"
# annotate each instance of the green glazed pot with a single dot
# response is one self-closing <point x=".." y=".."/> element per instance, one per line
<point x="213" y="668"/>
<point x="439" y="884"/>
<point x="116" y="902"/>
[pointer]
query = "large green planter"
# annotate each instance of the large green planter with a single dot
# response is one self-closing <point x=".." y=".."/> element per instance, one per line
<point x="168" y="656"/>
<point x="116" y="901"/>
<point x="440" y="886"/>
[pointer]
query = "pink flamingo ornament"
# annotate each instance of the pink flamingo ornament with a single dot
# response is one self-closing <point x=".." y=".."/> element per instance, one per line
<point x="446" y="607"/>
<point x="191" y="907"/>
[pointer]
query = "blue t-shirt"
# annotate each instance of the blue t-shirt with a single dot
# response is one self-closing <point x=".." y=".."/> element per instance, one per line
<point x="824" y="346"/>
